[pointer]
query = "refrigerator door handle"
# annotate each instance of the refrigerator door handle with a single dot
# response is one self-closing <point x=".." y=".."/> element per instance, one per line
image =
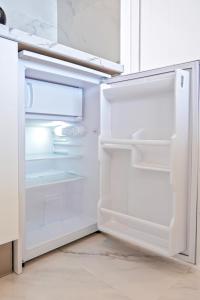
<point x="29" y="97"/>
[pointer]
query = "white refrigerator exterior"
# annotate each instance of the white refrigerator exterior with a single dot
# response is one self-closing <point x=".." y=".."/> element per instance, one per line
<point x="149" y="136"/>
<point x="147" y="157"/>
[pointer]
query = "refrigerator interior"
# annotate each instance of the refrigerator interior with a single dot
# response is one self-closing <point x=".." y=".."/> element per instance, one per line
<point x="61" y="176"/>
<point x="140" y="134"/>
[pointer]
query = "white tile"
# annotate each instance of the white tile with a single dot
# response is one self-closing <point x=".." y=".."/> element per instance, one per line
<point x="101" y="268"/>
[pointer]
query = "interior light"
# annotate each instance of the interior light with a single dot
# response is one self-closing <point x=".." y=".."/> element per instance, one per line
<point x="58" y="131"/>
<point x="38" y="140"/>
<point x="39" y="135"/>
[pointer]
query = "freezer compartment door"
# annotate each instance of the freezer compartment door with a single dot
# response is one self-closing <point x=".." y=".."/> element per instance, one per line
<point x="45" y="98"/>
<point x="143" y="152"/>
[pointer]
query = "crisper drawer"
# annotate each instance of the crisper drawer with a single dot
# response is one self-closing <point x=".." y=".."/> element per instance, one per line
<point x="53" y="99"/>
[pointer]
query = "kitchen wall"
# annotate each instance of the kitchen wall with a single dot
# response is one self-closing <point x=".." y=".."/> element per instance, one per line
<point x="160" y="33"/>
<point x="90" y="25"/>
<point x="34" y="16"/>
<point x="169" y="32"/>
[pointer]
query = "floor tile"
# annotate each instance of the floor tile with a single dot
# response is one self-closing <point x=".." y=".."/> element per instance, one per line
<point x="102" y="268"/>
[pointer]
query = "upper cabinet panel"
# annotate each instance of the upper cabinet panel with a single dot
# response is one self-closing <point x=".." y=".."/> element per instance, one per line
<point x="169" y="32"/>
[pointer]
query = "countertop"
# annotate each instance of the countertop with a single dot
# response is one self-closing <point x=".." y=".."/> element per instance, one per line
<point x="27" y="41"/>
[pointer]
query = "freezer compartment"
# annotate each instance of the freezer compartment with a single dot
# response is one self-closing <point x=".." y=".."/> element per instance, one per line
<point x="46" y="98"/>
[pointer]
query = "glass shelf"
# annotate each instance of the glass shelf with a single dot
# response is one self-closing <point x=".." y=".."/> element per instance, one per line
<point x="50" y="177"/>
<point x="52" y="156"/>
<point x="63" y="143"/>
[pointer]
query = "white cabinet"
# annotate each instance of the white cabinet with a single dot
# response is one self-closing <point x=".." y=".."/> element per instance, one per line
<point x="159" y="33"/>
<point x="168" y="32"/>
<point x="9" y="205"/>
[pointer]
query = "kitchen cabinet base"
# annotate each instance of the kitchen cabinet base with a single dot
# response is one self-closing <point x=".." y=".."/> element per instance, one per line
<point x="5" y="259"/>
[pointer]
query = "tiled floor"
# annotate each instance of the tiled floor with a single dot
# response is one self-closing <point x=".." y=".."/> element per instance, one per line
<point x="101" y="268"/>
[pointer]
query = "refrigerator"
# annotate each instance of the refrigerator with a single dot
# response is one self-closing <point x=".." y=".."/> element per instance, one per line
<point x="115" y="154"/>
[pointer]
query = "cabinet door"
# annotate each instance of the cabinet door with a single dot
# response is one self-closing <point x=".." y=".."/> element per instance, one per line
<point x="144" y="161"/>
<point x="168" y="32"/>
<point x="8" y="141"/>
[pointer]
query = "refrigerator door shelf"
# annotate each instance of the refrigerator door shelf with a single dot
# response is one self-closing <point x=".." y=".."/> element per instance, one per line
<point x="139" y="88"/>
<point x="145" y="154"/>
